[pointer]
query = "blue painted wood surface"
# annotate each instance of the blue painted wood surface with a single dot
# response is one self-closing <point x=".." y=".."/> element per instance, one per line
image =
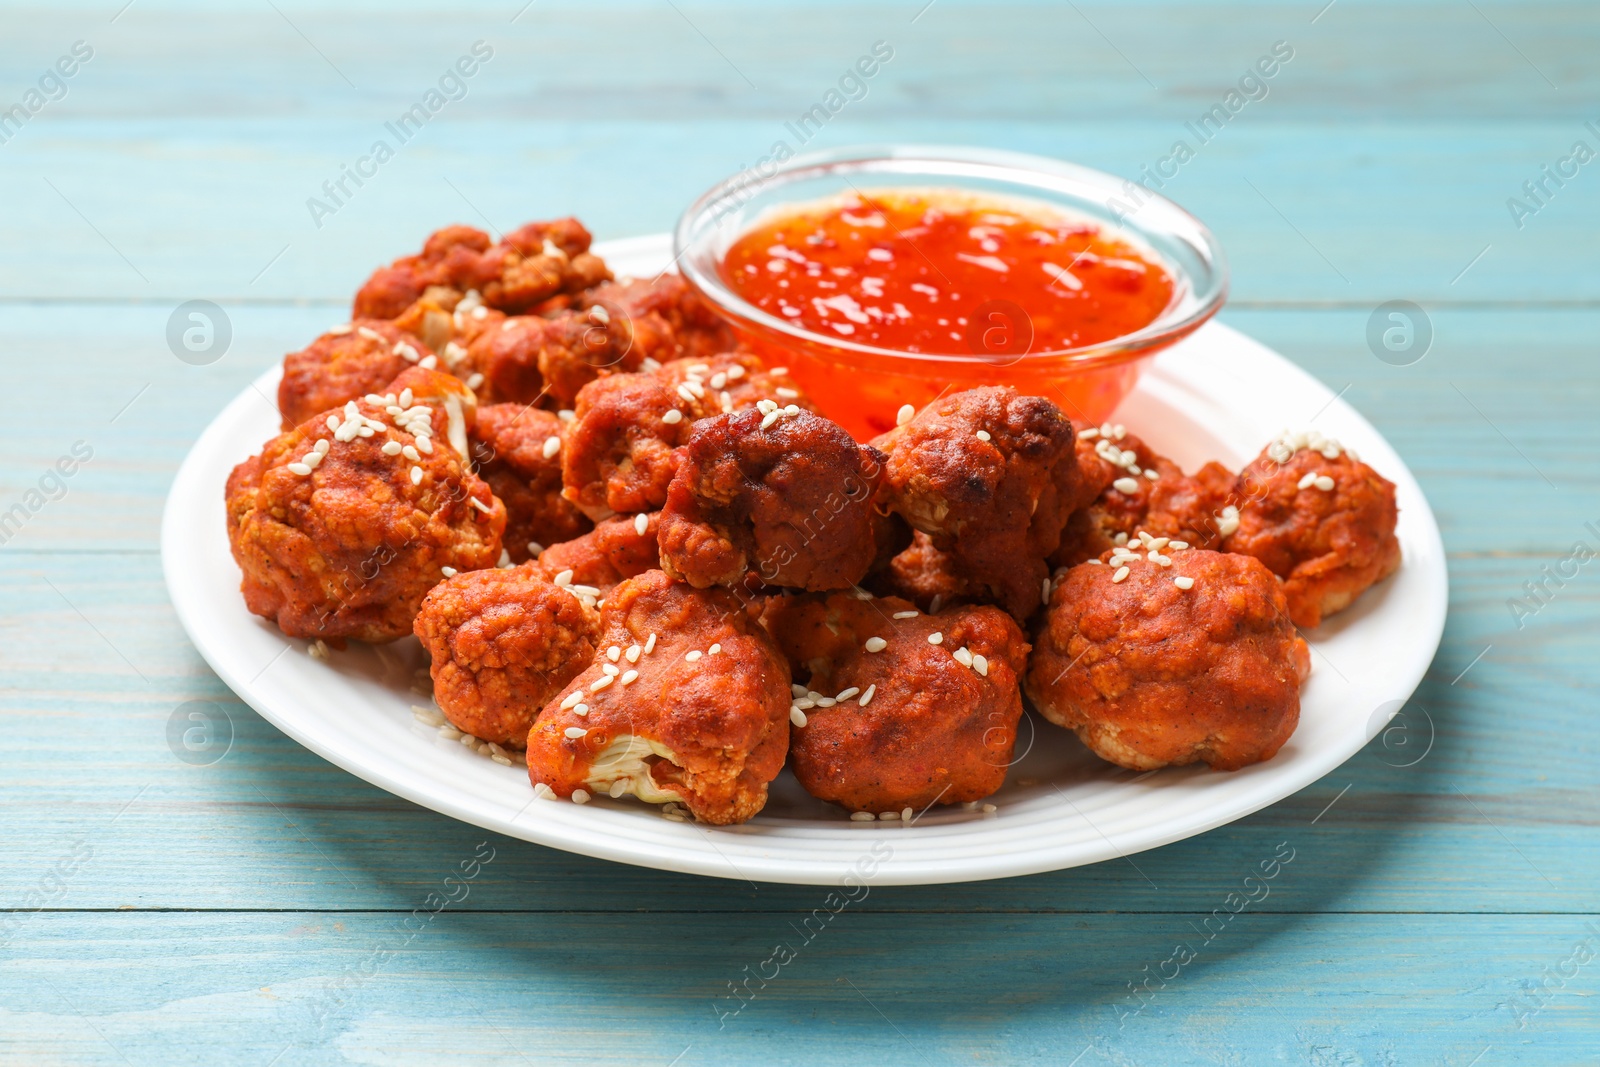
<point x="254" y="911"/>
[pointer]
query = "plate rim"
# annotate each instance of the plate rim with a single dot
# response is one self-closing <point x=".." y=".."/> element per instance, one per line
<point x="663" y="850"/>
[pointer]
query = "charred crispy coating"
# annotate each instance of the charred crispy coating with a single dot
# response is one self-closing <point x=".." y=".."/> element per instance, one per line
<point x="688" y="701"/>
<point x="1117" y="467"/>
<point x="616" y="549"/>
<point x="989" y="475"/>
<point x="692" y="326"/>
<point x="347" y="362"/>
<point x="1149" y="674"/>
<point x="512" y="445"/>
<point x="892" y="720"/>
<point x="344" y="523"/>
<point x="1319" y="519"/>
<point x="527" y="267"/>
<point x="619" y="451"/>
<point x="503" y="642"/>
<point x="778" y="491"/>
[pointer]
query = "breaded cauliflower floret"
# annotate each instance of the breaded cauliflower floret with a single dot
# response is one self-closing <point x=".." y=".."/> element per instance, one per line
<point x="518" y="452"/>
<point x="989" y="475"/>
<point x="1319" y="519"/>
<point x="503" y="642"/>
<point x="778" y="491"/>
<point x="900" y="709"/>
<point x="529" y="359"/>
<point x="1131" y="487"/>
<point x="344" y="523"/>
<point x="344" y="364"/>
<point x="528" y="266"/>
<point x="1158" y="664"/>
<point x="687" y="701"/>
<point x="620" y="447"/>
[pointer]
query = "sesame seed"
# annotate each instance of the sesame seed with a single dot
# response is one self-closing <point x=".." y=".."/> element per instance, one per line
<point x="369" y="333"/>
<point x="980" y="663"/>
<point x="1179" y="545"/>
<point x="1090" y="434"/>
<point x="628" y="678"/>
<point x="906" y="814"/>
<point x="787" y="394"/>
<point x="933" y="605"/>
<point x="600" y="683"/>
<point x="575" y="732"/>
<point x="989" y="809"/>
<point x="580" y="796"/>
<point x="875" y="644"/>
<point x="1126" y="485"/>
<point x="826" y="702"/>
<point x="889" y="816"/>
<point x="571" y="699"/>
<point x="866" y="698"/>
<point x="424" y="445"/>
<point x="969" y="805"/>
<point x="796" y="689"/>
<point x="600" y="315"/>
<point x="906" y="614"/>
<point x="778" y="372"/>
<point x="983" y="435"/>
<point x="936" y="639"/>
<point x="552" y="445"/>
<point x="449" y="572"/>
<point x="632" y="655"/>
<point x="769" y="418"/>
<point x="797" y="716"/>
<point x="1324" y="483"/>
<point x="1121" y="573"/>
<point x="1120" y="539"/>
<point x="862" y="816"/>
<point x="564" y="577"/>
<point x="1308" y="480"/>
<point x="766" y="407"/>
<point x="581" y="710"/>
<point x="610" y="669"/>
<point x="322" y="447"/>
<point x="1152" y="473"/>
<point x="693" y="656"/>
<point x="650" y="645"/>
<point x="1183" y="581"/>
<point x="904" y="415"/>
<point x="718" y="380"/>
<point x="1044" y="592"/>
<point x="683" y="391"/>
<point x="300" y="469"/>
<point x="713" y="650"/>
<point x="543" y="792"/>
<point x="963" y="656"/>
<point x="673" y="417"/>
<point x="848" y="693"/>
<point x="416" y="475"/>
<point x="641" y="523"/>
<point x="619" y="787"/>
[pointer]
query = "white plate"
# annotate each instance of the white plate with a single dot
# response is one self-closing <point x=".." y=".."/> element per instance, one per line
<point x="1217" y="395"/>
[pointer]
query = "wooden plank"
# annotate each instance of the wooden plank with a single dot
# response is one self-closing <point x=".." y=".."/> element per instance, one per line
<point x="97" y="665"/>
<point x="869" y="988"/>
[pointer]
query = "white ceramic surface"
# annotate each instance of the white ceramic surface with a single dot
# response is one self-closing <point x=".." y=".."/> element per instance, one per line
<point x="1216" y="395"/>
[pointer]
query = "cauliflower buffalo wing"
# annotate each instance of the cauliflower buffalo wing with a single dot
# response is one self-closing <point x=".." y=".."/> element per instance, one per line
<point x="503" y="643"/>
<point x="990" y="476"/>
<point x="687" y="701"/>
<point x="343" y="364"/>
<point x="1320" y="519"/>
<point x="519" y="273"/>
<point x="773" y="490"/>
<point x="342" y="524"/>
<point x="518" y="452"/>
<point x="901" y="709"/>
<point x="1159" y="657"/>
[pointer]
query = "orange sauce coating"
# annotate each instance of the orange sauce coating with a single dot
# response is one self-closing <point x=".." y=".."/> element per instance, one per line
<point x="923" y="273"/>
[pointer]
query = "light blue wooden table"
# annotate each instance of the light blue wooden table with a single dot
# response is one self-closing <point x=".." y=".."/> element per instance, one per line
<point x="249" y="911"/>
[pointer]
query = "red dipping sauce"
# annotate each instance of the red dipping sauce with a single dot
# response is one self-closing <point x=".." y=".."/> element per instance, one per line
<point x="906" y="272"/>
<point x="938" y="273"/>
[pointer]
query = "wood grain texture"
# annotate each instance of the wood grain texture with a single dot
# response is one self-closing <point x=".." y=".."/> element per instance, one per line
<point x="156" y="912"/>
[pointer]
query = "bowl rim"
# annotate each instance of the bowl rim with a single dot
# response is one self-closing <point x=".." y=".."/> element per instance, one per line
<point x="1040" y="173"/>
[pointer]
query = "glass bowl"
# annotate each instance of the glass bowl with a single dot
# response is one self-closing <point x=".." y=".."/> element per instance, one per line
<point x="862" y="386"/>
